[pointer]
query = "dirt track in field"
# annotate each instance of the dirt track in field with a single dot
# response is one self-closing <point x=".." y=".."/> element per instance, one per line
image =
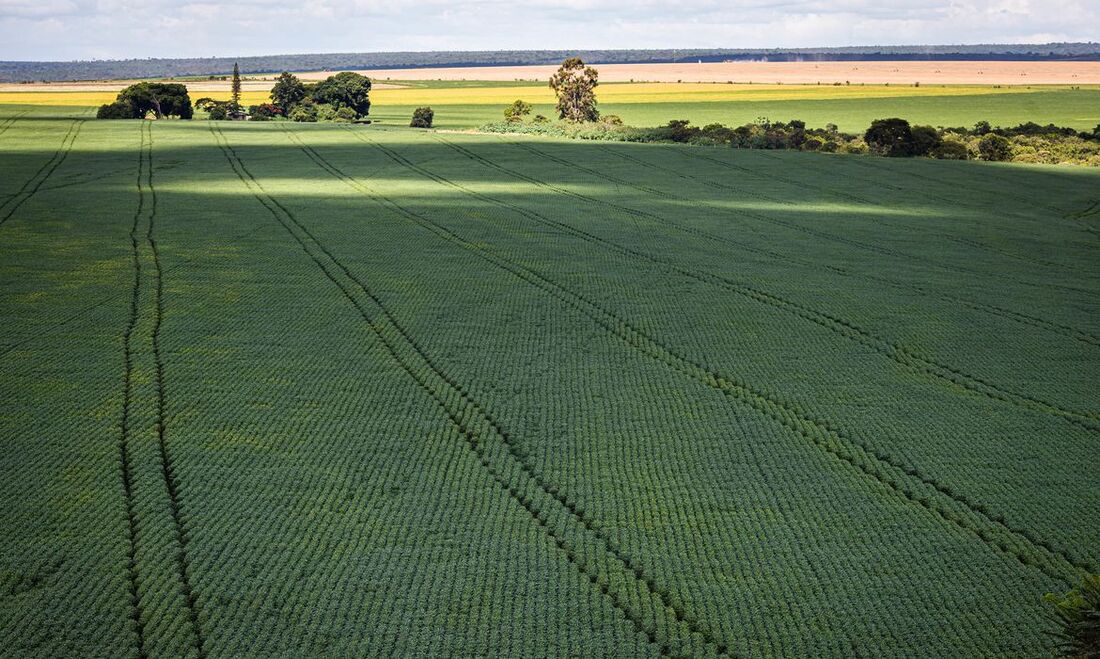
<point x="941" y="73"/>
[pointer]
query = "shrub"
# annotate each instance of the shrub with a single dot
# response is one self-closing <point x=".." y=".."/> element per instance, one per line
<point x="719" y="134"/>
<point x="890" y="137"/>
<point x="345" y="115"/>
<point x="829" y="146"/>
<point x="812" y="144"/>
<point x="264" y="112"/>
<point x="422" y="118"/>
<point x="325" y="112"/>
<point x="856" y="146"/>
<point x="950" y="150"/>
<point x="925" y="140"/>
<point x="540" y="119"/>
<point x="345" y="89"/>
<point x="115" y="110"/>
<point x="1078" y="616"/>
<point x="517" y="110"/>
<point x="678" y="130"/>
<point x="995" y="148"/>
<point x="612" y="120"/>
<point x="304" y="113"/>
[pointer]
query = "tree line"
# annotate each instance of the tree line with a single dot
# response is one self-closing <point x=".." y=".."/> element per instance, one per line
<point x="206" y="66"/>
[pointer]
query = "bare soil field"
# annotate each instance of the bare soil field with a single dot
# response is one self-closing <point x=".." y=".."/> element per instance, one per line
<point x="939" y="72"/>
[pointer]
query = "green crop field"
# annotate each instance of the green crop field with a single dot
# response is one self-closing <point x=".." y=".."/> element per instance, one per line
<point x="470" y="104"/>
<point x="285" y="389"/>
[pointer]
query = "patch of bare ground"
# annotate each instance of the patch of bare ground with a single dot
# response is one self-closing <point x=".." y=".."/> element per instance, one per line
<point x="907" y="72"/>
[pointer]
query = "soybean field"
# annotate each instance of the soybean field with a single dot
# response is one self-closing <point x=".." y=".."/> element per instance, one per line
<point x="274" y="389"/>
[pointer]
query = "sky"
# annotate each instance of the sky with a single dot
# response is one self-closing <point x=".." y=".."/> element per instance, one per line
<point x="116" y="29"/>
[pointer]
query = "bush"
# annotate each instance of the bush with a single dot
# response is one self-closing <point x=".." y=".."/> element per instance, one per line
<point x="345" y="89"/>
<point x="890" y="137"/>
<point x="325" y="112"/>
<point x="719" y="134"/>
<point x="611" y="120"/>
<point x="678" y="130"/>
<point x="264" y="112"/>
<point x="422" y="118"/>
<point x="304" y="113"/>
<point x="115" y="110"/>
<point x="950" y="150"/>
<point x="995" y="148"/>
<point x="1078" y="616"/>
<point x="540" y="119"/>
<point x="345" y="115"/>
<point x="516" y="111"/>
<point x="829" y="147"/>
<point x="812" y="144"/>
<point x="925" y="140"/>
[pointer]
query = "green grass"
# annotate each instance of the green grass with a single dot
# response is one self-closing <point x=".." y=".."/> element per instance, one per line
<point x="277" y="389"/>
<point x="1078" y="109"/>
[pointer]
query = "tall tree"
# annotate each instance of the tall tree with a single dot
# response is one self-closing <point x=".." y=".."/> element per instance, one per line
<point x="575" y="85"/>
<point x="235" y="99"/>
<point x="345" y="90"/>
<point x="890" y="137"/>
<point x="160" y="98"/>
<point x="288" y="91"/>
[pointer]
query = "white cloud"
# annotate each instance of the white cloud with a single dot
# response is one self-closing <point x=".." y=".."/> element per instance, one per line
<point x="68" y="29"/>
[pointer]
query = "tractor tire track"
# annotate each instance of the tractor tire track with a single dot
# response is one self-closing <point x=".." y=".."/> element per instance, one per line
<point x="124" y="424"/>
<point x="168" y="473"/>
<point x="950" y="375"/>
<point x="32" y="185"/>
<point x="549" y="509"/>
<point x="10" y="121"/>
<point x="148" y="286"/>
<point x="903" y="479"/>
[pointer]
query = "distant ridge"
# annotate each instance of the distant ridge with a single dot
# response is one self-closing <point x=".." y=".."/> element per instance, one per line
<point x="19" y="71"/>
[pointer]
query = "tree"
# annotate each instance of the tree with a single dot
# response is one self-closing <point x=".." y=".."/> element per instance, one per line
<point x="890" y="137"/>
<point x="288" y="91"/>
<point x="517" y="110"/>
<point x="925" y="140"/>
<point x="265" y="112"/>
<point x="235" y="96"/>
<point x="345" y="90"/>
<point x="995" y="148"/>
<point x="950" y="149"/>
<point x="575" y="85"/>
<point x="422" y="118"/>
<point x="304" y="112"/>
<point x="1078" y="616"/>
<point x="137" y="101"/>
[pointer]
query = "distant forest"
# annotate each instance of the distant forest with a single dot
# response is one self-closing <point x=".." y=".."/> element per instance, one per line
<point x="13" y="71"/>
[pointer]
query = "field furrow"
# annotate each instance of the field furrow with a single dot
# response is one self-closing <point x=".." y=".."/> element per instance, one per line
<point x="280" y="389"/>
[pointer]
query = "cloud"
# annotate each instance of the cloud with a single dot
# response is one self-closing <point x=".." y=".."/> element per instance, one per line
<point x="72" y="29"/>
